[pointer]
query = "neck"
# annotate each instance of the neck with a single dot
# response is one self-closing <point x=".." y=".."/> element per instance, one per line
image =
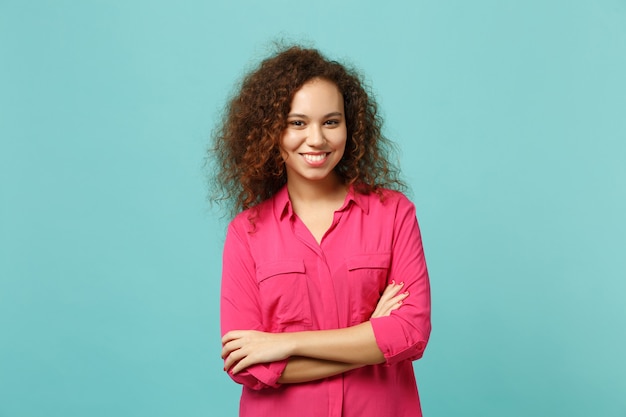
<point x="306" y="191"/>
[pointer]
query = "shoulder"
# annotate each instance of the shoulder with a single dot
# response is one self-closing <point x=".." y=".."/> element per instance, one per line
<point x="390" y="207"/>
<point x="247" y="220"/>
<point x="387" y="199"/>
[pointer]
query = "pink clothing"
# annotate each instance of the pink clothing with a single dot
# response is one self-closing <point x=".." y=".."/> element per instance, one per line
<point x="277" y="278"/>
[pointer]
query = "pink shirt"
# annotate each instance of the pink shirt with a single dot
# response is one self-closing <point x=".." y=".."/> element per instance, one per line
<point x="279" y="279"/>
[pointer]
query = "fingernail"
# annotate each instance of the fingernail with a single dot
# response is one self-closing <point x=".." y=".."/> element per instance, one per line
<point x="393" y="282"/>
<point x="401" y="282"/>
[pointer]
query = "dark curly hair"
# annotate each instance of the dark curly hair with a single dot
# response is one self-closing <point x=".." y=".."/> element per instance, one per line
<point x="246" y="144"/>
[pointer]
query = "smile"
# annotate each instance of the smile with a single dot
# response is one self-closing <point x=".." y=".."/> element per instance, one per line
<point x="315" y="158"/>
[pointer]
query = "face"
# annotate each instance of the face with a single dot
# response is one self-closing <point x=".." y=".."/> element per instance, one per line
<point x="315" y="138"/>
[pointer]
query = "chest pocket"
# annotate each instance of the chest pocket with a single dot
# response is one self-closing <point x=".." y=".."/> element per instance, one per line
<point x="284" y="294"/>
<point x="368" y="275"/>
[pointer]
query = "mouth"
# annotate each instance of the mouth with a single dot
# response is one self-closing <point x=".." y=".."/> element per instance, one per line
<point x="315" y="158"/>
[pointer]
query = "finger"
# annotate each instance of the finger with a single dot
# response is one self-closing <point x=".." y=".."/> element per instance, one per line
<point x="391" y="290"/>
<point x="232" y="335"/>
<point x="387" y="311"/>
<point x="229" y="362"/>
<point x="387" y="299"/>
<point x="400" y="297"/>
<point x="397" y="301"/>
<point x="393" y="303"/>
<point x="243" y="359"/>
<point x="233" y="358"/>
<point x="230" y="347"/>
<point x="226" y="349"/>
<point x="241" y="365"/>
<point x="389" y="295"/>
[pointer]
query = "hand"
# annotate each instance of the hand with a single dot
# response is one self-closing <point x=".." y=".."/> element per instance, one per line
<point x="390" y="300"/>
<point x="243" y="348"/>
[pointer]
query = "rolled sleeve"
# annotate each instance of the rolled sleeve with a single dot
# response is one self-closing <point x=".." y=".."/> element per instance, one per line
<point x="260" y="376"/>
<point x="395" y="344"/>
<point x="240" y="306"/>
<point x="404" y="334"/>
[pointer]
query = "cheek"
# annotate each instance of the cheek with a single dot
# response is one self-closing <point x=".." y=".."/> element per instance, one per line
<point x="284" y="145"/>
<point x="289" y="141"/>
<point x="340" y="140"/>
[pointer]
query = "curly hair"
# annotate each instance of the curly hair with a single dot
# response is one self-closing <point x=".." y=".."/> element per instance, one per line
<point x="246" y="145"/>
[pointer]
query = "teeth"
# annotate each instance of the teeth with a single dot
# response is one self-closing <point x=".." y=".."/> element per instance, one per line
<point x="314" y="158"/>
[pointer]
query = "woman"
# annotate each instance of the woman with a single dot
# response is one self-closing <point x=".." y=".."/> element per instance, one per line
<point x="325" y="296"/>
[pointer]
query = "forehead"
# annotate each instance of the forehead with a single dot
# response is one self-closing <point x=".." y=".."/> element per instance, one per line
<point x="317" y="94"/>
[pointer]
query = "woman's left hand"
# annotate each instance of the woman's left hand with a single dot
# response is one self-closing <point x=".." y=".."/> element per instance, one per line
<point x="243" y="348"/>
<point x="390" y="300"/>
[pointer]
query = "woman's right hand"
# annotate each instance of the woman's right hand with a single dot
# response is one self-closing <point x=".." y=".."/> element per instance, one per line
<point x="390" y="300"/>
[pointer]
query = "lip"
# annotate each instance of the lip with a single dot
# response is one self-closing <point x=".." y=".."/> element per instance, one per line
<point x="315" y="159"/>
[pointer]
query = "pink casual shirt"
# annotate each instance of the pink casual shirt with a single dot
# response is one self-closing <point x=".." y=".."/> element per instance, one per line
<point x="277" y="278"/>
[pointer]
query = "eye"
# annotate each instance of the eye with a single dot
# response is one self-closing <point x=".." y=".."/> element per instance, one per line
<point x="296" y="123"/>
<point x="332" y="122"/>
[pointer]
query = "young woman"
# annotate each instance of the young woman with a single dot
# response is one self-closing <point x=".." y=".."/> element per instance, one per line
<point x="325" y="296"/>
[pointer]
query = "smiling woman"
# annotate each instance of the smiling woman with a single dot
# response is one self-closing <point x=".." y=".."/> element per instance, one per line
<point x="325" y="294"/>
<point x="315" y="138"/>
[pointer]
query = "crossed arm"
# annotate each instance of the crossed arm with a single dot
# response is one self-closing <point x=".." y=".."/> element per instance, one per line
<point x="311" y="355"/>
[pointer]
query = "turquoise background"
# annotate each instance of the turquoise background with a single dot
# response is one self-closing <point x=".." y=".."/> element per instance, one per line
<point x="511" y="121"/>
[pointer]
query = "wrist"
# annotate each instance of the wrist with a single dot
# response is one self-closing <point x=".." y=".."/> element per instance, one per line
<point x="291" y="343"/>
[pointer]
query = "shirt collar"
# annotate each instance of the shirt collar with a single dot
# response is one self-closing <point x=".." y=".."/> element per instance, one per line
<point x="283" y="207"/>
<point x="282" y="204"/>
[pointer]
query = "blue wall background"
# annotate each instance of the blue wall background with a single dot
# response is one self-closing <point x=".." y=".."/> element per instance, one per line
<point x="510" y="117"/>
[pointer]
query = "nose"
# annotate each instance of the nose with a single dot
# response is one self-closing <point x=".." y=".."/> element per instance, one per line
<point x="315" y="136"/>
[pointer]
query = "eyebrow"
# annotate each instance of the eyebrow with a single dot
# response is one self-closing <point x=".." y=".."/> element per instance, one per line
<point x="304" y="116"/>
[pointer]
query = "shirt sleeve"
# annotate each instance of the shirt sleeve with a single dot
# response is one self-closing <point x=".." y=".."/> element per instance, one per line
<point x="403" y="334"/>
<point x="240" y="307"/>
